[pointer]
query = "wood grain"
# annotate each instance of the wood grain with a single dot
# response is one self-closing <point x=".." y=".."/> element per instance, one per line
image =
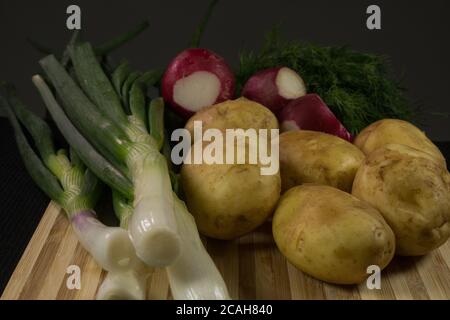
<point x="252" y="267"/>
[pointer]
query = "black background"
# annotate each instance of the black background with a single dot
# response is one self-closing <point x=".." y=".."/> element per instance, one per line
<point x="414" y="34"/>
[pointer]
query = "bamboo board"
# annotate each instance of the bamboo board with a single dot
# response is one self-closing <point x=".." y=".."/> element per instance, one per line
<point x="252" y="267"/>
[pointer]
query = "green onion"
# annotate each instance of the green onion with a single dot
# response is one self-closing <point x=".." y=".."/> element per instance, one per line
<point x="122" y="208"/>
<point x="75" y="158"/>
<point x="153" y="227"/>
<point x="120" y="75"/>
<point x="194" y="276"/>
<point x="94" y="160"/>
<point x="39" y="47"/>
<point x="101" y="50"/>
<point x="96" y="84"/>
<point x="75" y="189"/>
<point x="137" y="105"/>
<point x="128" y="285"/>
<point x="40" y="133"/>
<point x="196" y="38"/>
<point x="65" y="59"/>
<point x="120" y="40"/>
<point x="156" y="121"/>
<point x="38" y="172"/>
<point x="150" y="78"/>
<point x="132" y="77"/>
<point x="109" y="138"/>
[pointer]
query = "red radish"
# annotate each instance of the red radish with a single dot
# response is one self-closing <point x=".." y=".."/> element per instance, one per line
<point x="195" y="79"/>
<point x="311" y="113"/>
<point x="274" y="88"/>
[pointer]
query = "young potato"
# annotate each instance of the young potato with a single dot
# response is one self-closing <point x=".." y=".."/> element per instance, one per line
<point x="331" y="235"/>
<point x="229" y="200"/>
<point x="240" y="113"/>
<point x="393" y="131"/>
<point x="316" y="157"/>
<point x="411" y="189"/>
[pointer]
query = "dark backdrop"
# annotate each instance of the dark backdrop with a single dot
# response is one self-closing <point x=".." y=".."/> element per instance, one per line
<point x="414" y="34"/>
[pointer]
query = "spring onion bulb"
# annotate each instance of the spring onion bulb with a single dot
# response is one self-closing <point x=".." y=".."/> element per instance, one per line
<point x="68" y="183"/>
<point x="194" y="276"/>
<point x="122" y="208"/>
<point x="130" y="284"/>
<point x="152" y="224"/>
<point x="97" y="112"/>
<point x="110" y="246"/>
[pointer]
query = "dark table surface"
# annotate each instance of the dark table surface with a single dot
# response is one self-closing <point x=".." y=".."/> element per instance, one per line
<point x="23" y="204"/>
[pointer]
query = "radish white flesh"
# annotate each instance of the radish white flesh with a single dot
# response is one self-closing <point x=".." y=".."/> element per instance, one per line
<point x="290" y="85"/>
<point x="110" y="246"/>
<point x="311" y="113"/>
<point x="197" y="78"/>
<point x="274" y="88"/>
<point x="197" y="90"/>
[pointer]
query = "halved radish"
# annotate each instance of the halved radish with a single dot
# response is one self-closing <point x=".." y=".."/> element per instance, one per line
<point x="274" y="88"/>
<point x="195" y="79"/>
<point x="311" y="113"/>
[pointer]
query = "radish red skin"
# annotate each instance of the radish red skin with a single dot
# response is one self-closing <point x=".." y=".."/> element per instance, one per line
<point x="311" y="113"/>
<point x="262" y="88"/>
<point x="193" y="60"/>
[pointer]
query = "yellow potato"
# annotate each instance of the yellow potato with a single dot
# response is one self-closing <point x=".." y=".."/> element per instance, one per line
<point x="331" y="235"/>
<point x="240" y="113"/>
<point x="316" y="157"/>
<point x="393" y="131"/>
<point x="228" y="201"/>
<point x="411" y="189"/>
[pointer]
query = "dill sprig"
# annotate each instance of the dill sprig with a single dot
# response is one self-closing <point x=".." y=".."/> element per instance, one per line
<point x="358" y="87"/>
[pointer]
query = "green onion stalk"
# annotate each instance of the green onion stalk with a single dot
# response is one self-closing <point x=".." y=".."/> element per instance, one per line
<point x="65" y="179"/>
<point x="193" y="276"/>
<point x="129" y="284"/>
<point x="100" y="116"/>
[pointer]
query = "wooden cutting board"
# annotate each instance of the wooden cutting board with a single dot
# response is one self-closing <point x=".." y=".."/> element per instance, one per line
<point x="252" y="267"/>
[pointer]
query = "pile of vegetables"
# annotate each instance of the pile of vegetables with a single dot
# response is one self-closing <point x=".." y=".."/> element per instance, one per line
<point x="344" y="206"/>
<point x="338" y="206"/>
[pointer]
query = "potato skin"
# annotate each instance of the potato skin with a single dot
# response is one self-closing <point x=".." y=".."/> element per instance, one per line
<point x="394" y="131"/>
<point x="411" y="189"/>
<point x="331" y="235"/>
<point x="316" y="157"/>
<point x="229" y="200"/>
<point x="240" y="113"/>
